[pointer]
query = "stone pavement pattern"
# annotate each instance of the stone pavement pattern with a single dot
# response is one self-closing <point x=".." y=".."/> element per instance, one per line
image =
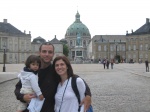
<point x="126" y="88"/>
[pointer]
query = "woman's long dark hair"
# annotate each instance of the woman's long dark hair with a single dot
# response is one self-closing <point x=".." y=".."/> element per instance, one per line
<point x="67" y="62"/>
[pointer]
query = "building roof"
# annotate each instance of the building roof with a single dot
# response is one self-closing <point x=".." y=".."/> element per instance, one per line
<point x="109" y="38"/>
<point x="77" y="28"/>
<point x="8" y="28"/>
<point x="38" y="40"/>
<point x="55" y="41"/>
<point x="144" y="29"/>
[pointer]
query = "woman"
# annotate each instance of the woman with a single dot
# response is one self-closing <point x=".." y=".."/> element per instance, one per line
<point x="65" y="99"/>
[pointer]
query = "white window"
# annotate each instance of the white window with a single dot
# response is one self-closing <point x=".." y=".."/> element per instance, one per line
<point x="141" y="47"/>
<point x="105" y="47"/>
<point x="99" y="48"/>
<point x="129" y="47"/>
<point x="146" y="47"/>
<point x="10" y="58"/>
<point x="134" y="47"/>
<point x="123" y="47"/>
<point x="146" y="55"/>
<point x="141" y="55"/>
<point x="111" y="48"/>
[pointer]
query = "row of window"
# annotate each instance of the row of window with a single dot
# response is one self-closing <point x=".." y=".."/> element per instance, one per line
<point x="138" y="39"/>
<point x="72" y="43"/>
<point x="141" y="47"/>
<point x="122" y="47"/>
<point x="112" y="48"/>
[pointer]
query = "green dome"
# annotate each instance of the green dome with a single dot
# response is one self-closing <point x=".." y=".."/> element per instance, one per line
<point x="77" y="27"/>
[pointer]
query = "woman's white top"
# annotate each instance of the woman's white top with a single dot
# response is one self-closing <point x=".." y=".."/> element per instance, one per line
<point x="70" y="102"/>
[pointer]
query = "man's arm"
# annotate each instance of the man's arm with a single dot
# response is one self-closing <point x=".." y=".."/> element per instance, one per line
<point x="87" y="91"/>
<point x="22" y="97"/>
<point x="87" y="100"/>
<point x="19" y="96"/>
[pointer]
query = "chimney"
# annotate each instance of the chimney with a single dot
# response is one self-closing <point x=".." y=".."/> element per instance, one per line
<point x="132" y="31"/>
<point x="55" y="36"/>
<point x="5" y="20"/>
<point x="147" y="20"/>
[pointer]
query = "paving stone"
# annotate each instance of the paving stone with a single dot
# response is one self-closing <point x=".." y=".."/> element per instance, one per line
<point x="126" y="88"/>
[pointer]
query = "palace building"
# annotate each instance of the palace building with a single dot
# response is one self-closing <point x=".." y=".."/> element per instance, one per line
<point x="16" y="46"/>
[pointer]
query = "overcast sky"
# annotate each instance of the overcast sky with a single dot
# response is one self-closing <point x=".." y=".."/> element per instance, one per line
<point x="47" y="18"/>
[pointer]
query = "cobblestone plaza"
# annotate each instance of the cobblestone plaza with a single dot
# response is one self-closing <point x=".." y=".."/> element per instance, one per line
<point x="126" y="88"/>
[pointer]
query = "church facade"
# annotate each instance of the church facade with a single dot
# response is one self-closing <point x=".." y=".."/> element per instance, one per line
<point x="78" y="37"/>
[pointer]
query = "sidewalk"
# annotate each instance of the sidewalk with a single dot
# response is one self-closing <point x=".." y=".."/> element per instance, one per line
<point x="11" y="73"/>
<point x="7" y="76"/>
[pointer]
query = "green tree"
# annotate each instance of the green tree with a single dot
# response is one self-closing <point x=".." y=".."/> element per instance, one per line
<point x="65" y="50"/>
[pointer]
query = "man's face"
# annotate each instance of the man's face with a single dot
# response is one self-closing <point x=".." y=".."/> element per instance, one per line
<point x="46" y="53"/>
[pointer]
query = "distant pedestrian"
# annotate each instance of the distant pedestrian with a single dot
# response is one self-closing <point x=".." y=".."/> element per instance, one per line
<point x="112" y="63"/>
<point x="139" y="61"/>
<point x="104" y="63"/>
<point x="99" y="61"/>
<point x="147" y="65"/>
<point x="107" y="64"/>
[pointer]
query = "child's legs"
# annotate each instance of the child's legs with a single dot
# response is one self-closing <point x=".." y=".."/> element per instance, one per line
<point x="21" y="107"/>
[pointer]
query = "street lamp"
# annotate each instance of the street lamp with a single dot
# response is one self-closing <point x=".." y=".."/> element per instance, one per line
<point x="4" y="59"/>
<point x="116" y="51"/>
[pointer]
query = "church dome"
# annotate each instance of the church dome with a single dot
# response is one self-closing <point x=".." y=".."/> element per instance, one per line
<point x="77" y="27"/>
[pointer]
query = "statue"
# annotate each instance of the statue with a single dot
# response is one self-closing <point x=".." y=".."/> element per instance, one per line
<point x="78" y="41"/>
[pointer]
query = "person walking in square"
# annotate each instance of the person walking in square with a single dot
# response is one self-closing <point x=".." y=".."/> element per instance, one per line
<point x="104" y="63"/>
<point x="112" y="63"/>
<point x="147" y="65"/>
<point x="107" y="64"/>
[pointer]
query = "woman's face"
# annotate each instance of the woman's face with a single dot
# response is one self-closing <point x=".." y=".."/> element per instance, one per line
<point x="61" y="67"/>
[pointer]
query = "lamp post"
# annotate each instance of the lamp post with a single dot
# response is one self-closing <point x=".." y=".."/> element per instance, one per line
<point x="4" y="59"/>
<point x="116" y="51"/>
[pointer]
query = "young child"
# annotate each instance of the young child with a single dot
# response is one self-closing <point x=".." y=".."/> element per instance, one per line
<point x="29" y="80"/>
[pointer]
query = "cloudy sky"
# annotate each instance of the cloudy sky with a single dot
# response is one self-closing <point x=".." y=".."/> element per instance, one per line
<point x="47" y="18"/>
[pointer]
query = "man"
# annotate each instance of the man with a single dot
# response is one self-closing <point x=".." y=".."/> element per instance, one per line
<point x="147" y="65"/>
<point x="48" y="81"/>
